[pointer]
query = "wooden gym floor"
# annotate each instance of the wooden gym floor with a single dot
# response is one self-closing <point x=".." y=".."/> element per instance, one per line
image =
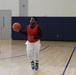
<point x="56" y="58"/>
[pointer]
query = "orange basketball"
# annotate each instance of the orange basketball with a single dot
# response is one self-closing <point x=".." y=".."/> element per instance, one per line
<point x="16" y="26"/>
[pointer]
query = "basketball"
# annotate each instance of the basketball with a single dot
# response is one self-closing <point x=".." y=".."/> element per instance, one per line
<point x="16" y="27"/>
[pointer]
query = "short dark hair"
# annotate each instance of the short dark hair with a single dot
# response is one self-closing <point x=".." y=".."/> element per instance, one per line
<point x="35" y="18"/>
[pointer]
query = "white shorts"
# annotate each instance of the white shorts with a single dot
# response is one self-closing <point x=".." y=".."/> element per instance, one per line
<point x="33" y="49"/>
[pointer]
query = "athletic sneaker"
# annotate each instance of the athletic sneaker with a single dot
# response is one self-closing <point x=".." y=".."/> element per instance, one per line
<point x="32" y="65"/>
<point x="36" y="65"/>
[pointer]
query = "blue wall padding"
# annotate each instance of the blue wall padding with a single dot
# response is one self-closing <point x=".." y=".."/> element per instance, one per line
<point x="53" y="28"/>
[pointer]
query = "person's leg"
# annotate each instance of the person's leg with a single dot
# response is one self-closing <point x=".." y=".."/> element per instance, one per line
<point x="36" y="59"/>
<point x="30" y="54"/>
<point x="37" y="49"/>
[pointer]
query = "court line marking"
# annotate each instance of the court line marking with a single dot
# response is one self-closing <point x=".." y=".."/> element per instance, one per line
<point x="63" y="73"/>
<point x="44" y="48"/>
<point x="23" y="54"/>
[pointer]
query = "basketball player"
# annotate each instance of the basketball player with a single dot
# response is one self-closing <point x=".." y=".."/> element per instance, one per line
<point x="34" y="34"/>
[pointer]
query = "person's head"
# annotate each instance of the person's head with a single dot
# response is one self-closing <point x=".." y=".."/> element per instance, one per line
<point x="33" y="20"/>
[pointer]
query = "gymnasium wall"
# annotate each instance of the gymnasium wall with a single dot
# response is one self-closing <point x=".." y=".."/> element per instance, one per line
<point x="52" y="8"/>
<point x="42" y="7"/>
<point x="53" y="28"/>
<point x="56" y="17"/>
<point x="10" y="5"/>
